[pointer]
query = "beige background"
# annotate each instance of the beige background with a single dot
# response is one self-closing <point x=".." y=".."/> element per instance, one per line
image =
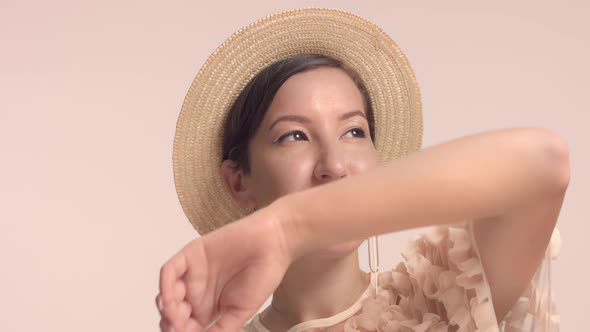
<point x="89" y="97"/>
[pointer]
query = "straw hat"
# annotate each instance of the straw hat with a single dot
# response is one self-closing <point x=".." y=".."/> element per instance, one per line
<point x="359" y="43"/>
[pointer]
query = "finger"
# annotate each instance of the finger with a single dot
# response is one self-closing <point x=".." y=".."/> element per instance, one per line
<point x="159" y="304"/>
<point x="231" y="320"/>
<point x="164" y="326"/>
<point x="179" y="290"/>
<point x="192" y="326"/>
<point x="179" y="293"/>
<point x="177" y="314"/>
<point x="170" y="272"/>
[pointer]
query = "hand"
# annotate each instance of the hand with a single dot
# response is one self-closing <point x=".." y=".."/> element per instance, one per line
<point x="231" y="271"/>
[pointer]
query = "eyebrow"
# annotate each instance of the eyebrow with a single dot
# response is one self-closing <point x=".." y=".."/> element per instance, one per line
<point x="304" y="119"/>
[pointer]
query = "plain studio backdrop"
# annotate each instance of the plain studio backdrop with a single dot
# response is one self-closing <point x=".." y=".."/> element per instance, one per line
<point x="89" y="97"/>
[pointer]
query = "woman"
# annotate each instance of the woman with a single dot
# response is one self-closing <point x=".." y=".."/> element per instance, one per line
<point x="299" y="155"/>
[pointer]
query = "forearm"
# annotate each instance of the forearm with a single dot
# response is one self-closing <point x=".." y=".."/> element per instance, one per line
<point x="470" y="177"/>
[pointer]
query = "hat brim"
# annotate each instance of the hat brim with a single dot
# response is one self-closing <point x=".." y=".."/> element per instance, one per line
<point x="359" y="43"/>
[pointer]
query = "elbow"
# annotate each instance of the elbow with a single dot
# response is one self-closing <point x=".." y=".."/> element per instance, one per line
<point x="555" y="154"/>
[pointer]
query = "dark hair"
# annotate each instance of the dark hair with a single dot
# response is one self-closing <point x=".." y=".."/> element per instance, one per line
<point x="253" y="102"/>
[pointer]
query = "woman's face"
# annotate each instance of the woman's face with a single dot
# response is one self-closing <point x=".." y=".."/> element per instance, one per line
<point x="314" y="132"/>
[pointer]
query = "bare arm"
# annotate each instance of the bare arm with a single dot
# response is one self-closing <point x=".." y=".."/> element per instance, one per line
<point x="511" y="182"/>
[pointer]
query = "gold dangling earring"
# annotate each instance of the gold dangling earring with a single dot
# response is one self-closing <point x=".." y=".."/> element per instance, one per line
<point x="373" y="246"/>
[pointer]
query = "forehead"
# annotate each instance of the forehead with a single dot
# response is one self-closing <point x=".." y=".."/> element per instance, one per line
<point x="319" y="89"/>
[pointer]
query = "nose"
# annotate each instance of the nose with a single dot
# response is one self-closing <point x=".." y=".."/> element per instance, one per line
<point x="330" y="165"/>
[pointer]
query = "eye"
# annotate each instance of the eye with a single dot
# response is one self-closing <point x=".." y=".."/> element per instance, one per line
<point x="296" y="136"/>
<point x="356" y="132"/>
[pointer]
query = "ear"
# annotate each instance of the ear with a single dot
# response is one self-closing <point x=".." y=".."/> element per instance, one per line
<point x="234" y="179"/>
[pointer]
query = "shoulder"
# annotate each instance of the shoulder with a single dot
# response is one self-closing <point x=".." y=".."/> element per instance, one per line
<point x="446" y="268"/>
<point x="439" y="283"/>
<point x="443" y="267"/>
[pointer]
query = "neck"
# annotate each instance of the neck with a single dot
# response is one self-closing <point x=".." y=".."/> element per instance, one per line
<point x="315" y="287"/>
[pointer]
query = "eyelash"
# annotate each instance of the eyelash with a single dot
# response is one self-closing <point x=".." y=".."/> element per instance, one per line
<point x="360" y="130"/>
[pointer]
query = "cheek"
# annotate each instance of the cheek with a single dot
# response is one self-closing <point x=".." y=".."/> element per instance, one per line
<point x="362" y="161"/>
<point x="281" y="174"/>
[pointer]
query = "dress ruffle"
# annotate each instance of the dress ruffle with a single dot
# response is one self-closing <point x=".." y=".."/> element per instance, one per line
<point x="441" y="286"/>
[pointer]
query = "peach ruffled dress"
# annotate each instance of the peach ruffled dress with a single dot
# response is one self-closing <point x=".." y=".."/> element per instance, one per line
<point x="441" y="286"/>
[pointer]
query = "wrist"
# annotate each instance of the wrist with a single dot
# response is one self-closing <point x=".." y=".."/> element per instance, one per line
<point x="286" y="218"/>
